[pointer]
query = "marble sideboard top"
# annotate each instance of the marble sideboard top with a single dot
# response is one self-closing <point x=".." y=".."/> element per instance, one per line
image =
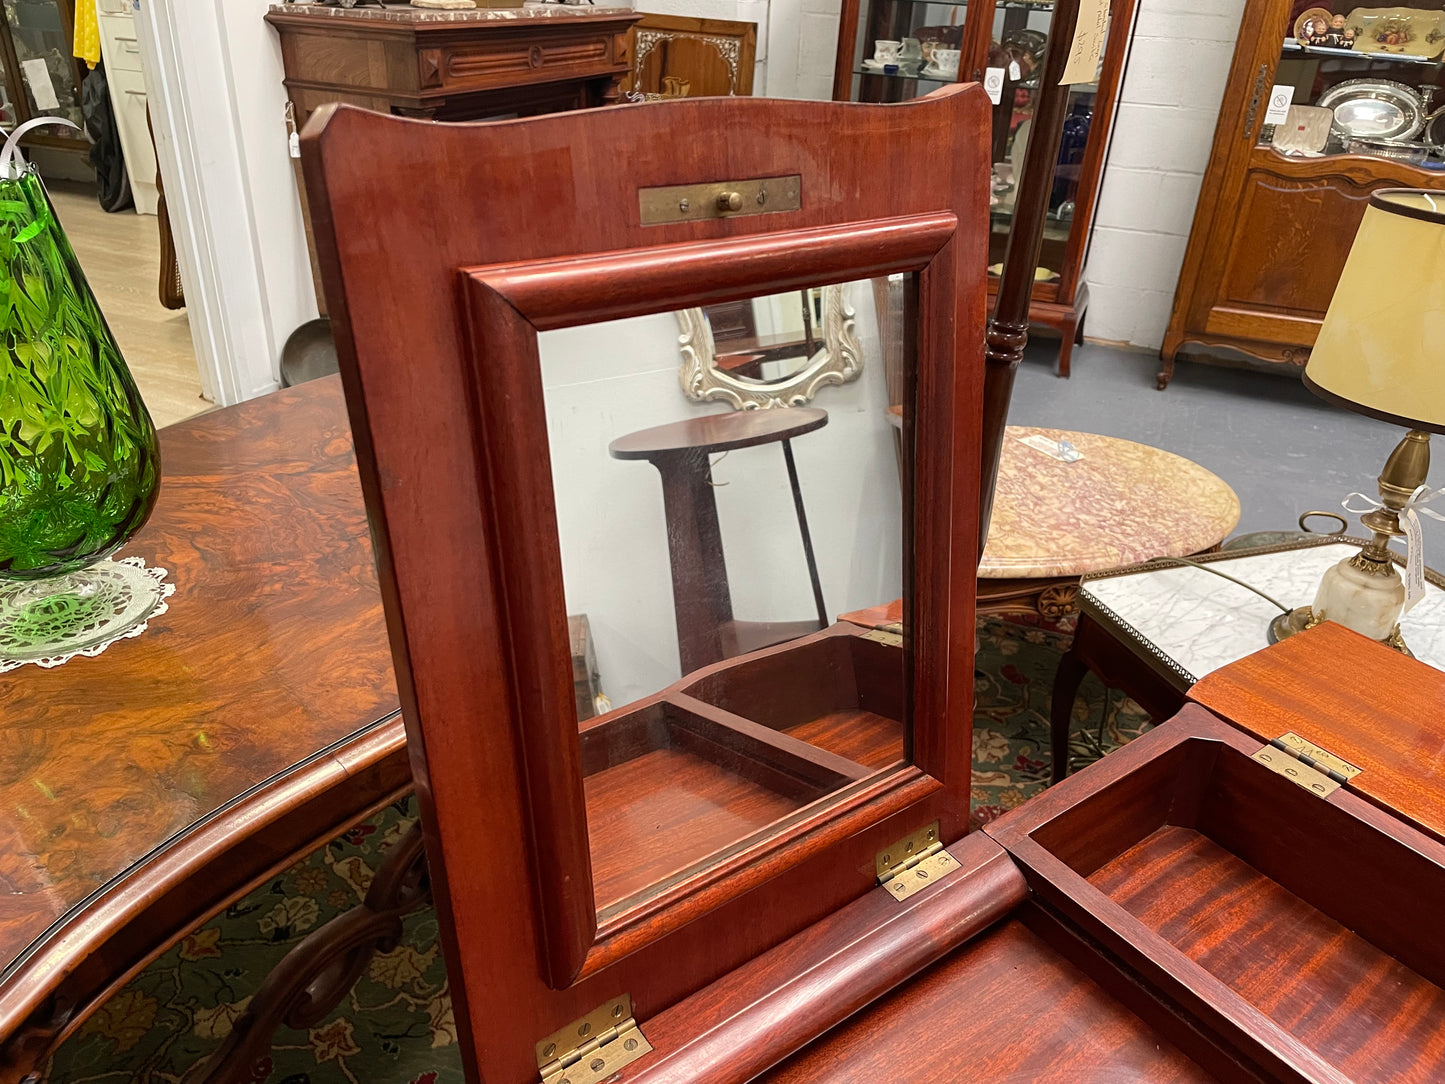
<point x="1203" y="622"/>
<point x="405" y="13"/>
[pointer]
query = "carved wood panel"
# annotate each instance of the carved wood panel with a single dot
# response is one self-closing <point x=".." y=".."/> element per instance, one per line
<point x="1291" y="238"/>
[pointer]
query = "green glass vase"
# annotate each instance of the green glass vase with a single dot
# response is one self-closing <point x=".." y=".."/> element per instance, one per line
<point x="79" y="462"/>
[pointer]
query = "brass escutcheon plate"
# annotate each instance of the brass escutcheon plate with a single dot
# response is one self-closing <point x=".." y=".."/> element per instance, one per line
<point x="720" y="199"/>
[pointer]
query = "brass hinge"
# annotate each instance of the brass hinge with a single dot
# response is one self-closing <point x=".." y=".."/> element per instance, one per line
<point x="914" y="863"/>
<point x="593" y="1048"/>
<point x="885" y="636"/>
<point x="1317" y="770"/>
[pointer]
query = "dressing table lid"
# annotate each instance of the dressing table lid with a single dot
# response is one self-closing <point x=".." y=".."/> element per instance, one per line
<point x="1361" y="701"/>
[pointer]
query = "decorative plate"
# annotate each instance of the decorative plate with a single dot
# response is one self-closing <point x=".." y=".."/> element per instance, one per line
<point x="1374" y="108"/>
<point x="1302" y="25"/>
<point x="1405" y="31"/>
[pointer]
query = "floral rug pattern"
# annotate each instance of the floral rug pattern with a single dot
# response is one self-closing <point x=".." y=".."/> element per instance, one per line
<point x="396" y="1025"/>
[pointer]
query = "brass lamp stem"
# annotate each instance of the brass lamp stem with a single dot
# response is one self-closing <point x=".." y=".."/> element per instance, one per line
<point x="1405" y="471"/>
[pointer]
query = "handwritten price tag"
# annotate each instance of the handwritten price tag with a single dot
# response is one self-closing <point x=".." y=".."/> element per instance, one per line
<point x="1088" y="43"/>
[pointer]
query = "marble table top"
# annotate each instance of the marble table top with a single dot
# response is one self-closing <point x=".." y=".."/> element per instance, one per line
<point x="1201" y="622"/>
<point x="1121" y="504"/>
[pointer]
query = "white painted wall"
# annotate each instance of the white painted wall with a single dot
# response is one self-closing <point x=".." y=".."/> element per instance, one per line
<point x="604" y="381"/>
<point x="1168" y="108"/>
<point x="213" y="82"/>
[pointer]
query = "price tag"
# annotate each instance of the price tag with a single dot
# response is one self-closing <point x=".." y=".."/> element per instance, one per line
<point x="41" y="88"/>
<point x="1414" y="558"/>
<point x="993" y="84"/>
<point x="1280" y="99"/>
<point x="1014" y="71"/>
<point x="1088" y="43"/>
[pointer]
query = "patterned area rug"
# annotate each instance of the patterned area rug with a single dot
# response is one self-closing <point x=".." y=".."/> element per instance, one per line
<point x="396" y="1025"/>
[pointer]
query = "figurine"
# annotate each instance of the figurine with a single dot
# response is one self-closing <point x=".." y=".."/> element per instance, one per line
<point x="1335" y="35"/>
<point x="1314" y="31"/>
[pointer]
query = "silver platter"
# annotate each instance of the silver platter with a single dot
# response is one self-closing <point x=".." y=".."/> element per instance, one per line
<point x="1374" y="109"/>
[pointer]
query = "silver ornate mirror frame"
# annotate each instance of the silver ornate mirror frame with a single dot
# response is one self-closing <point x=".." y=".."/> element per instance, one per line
<point x="840" y="361"/>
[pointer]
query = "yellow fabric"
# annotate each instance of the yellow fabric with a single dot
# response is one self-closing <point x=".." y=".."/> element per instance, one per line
<point x="87" y="33"/>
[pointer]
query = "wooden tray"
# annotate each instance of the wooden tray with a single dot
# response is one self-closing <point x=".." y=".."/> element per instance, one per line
<point x="743" y="744"/>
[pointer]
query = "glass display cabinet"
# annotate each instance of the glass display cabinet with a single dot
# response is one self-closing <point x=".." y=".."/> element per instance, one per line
<point x="891" y="50"/>
<point x="38" y="75"/>
<point x="1326" y="102"/>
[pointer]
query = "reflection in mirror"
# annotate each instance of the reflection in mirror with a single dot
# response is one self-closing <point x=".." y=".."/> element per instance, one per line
<point x="733" y="583"/>
<point x="770" y="351"/>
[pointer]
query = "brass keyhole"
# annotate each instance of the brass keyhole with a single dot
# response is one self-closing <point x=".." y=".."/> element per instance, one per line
<point x="729" y="201"/>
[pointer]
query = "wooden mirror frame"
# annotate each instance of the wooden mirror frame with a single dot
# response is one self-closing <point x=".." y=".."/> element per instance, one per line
<point x="508" y="305"/>
<point x="427" y="235"/>
<point x="838" y="361"/>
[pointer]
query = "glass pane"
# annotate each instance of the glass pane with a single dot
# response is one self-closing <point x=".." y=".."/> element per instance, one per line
<point x="1020" y="39"/>
<point x="906" y="49"/>
<point x="711" y="545"/>
<point x="43" y="49"/>
<point x="1369" y="82"/>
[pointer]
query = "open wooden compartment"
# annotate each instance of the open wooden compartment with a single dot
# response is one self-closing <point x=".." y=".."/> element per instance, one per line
<point x="741" y="745"/>
<point x="1303" y="932"/>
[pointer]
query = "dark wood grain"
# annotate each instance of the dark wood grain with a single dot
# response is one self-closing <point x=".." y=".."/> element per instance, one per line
<point x="1362" y="1009"/>
<point x="482" y="663"/>
<point x="1288" y="1013"/>
<point x="146" y="788"/>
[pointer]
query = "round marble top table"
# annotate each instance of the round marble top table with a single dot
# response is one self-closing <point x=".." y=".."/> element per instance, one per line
<point x="1119" y="505"/>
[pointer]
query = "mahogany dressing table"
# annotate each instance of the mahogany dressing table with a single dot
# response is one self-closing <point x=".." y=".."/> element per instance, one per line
<point x="710" y="884"/>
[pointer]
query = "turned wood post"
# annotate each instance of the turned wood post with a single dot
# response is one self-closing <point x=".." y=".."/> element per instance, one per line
<point x="1008" y="328"/>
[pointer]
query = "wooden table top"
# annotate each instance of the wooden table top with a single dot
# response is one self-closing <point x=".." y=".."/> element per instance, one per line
<point x="1121" y="504"/>
<point x="274" y="649"/>
<point x="719" y="432"/>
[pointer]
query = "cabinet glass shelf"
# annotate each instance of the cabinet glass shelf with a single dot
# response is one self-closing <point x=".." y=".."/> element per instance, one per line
<point x="1293" y="48"/>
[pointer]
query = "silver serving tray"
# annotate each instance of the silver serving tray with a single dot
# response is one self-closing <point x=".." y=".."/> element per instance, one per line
<point x="1374" y="109"/>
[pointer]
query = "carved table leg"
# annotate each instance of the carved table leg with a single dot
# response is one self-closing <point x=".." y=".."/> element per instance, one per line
<point x="315" y="975"/>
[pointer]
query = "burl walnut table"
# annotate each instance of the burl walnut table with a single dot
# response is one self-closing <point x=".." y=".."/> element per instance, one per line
<point x="1121" y="504"/>
<point x="143" y="790"/>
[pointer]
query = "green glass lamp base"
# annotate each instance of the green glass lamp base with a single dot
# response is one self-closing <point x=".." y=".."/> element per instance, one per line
<point x="47" y="621"/>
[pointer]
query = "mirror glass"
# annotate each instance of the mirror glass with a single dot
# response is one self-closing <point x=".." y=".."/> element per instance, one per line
<point x="733" y="583"/>
<point x="774" y="350"/>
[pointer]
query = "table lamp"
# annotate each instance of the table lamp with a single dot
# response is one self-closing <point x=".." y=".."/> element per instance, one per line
<point x="1379" y="354"/>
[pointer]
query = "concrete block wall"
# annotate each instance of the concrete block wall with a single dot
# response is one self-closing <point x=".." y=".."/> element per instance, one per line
<point x="1163" y="130"/>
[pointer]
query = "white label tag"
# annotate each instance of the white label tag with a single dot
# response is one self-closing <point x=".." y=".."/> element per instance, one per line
<point x="1414" y="558"/>
<point x="41" y="88"/>
<point x="294" y="144"/>
<point x="1280" y="99"/>
<point x="1014" y="71"/>
<point x="1061" y="450"/>
<point x="993" y="84"/>
<point x="1088" y="44"/>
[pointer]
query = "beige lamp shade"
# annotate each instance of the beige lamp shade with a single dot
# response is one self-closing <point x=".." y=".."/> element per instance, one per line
<point x="1381" y="350"/>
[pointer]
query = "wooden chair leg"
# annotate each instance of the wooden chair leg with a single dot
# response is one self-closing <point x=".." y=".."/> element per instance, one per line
<point x="807" y="537"/>
<point x="1072" y="669"/>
